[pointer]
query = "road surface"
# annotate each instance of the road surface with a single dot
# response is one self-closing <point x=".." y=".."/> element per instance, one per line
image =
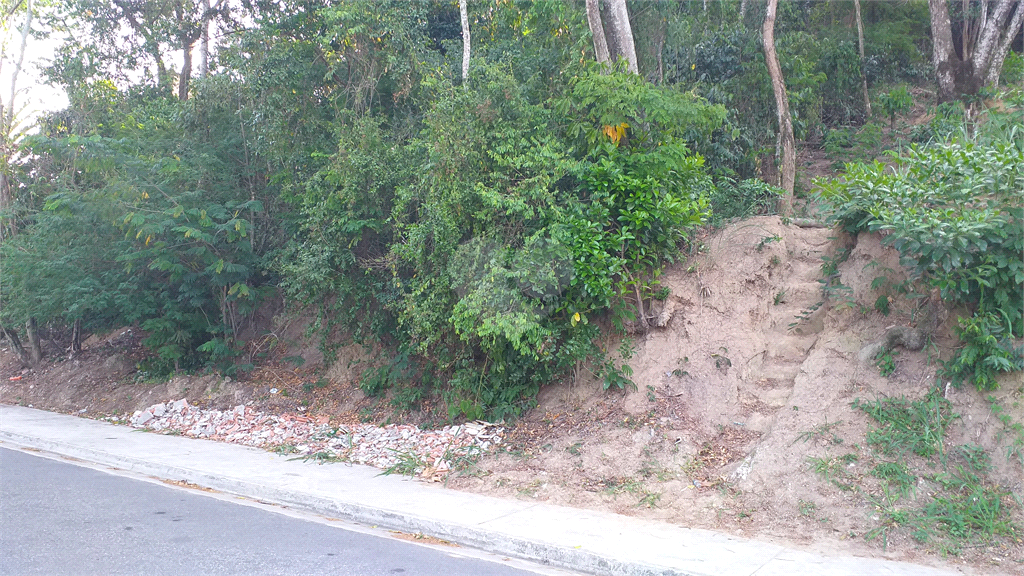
<point x="59" y="518"/>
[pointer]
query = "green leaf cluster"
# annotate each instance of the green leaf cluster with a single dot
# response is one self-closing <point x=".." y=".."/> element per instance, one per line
<point x="955" y="213"/>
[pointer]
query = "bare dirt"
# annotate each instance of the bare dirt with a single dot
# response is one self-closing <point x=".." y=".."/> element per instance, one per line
<point x="751" y="374"/>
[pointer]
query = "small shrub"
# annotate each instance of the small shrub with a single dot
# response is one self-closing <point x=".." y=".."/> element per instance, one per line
<point x="894" y="102"/>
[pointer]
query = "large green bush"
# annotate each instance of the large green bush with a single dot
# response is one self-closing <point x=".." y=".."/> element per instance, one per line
<point x="955" y="213"/>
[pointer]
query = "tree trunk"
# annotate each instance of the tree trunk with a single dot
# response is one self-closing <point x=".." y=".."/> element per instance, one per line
<point x="619" y="33"/>
<point x="8" y="224"/>
<point x="860" y="47"/>
<point x="988" y="41"/>
<point x="743" y="10"/>
<point x="9" y="116"/>
<point x="999" y="57"/>
<point x="204" y="40"/>
<point x="464" y="13"/>
<point x="982" y="49"/>
<point x="12" y="337"/>
<point x="34" y="345"/>
<point x="76" y="337"/>
<point x="8" y="135"/>
<point x="186" y="72"/>
<point x="786" y="146"/>
<point x="597" y="31"/>
<point x="965" y="30"/>
<point x="943" y="54"/>
<point x="163" y="77"/>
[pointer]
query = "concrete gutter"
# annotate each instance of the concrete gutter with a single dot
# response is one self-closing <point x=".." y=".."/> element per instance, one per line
<point x="580" y="540"/>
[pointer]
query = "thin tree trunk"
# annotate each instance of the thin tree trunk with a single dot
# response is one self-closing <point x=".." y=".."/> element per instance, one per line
<point x="1004" y="47"/>
<point x="786" y="147"/>
<point x="204" y="41"/>
<point x="860" y="47"/>
<point x="942" y="50"/>
<point x="9" y="117"/>
<point x="34" y="345"/>
<point x="12" y="337"/>
<point x="464" y="13"/>
<point x="597" y="31"/>
<point x="619" y="33"/>
<point x="186" y="72"/>
<point x="743" y="10"/>
<point x="965" y="29"/>
<point x="76" y="337"/>
<point x="163" y="78"/>
<point x="8" y="223"/>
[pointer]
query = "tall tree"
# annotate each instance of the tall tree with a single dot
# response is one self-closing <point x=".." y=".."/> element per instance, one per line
<point x="9" y="131"/>
<point x="466" y="48"/>
<point x="786" y="143"/>
<point x="612" y="32"/>
<point x="1016" y="23"/>
<point x="860" y="49"/>
<point x="981" y="52"/>
<point x="10" y="134"/>
<point x="597" y="31"/>
<point x="207" y="16"/>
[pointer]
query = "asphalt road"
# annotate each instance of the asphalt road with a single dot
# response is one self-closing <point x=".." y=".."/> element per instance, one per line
<point x="58" y="518"/>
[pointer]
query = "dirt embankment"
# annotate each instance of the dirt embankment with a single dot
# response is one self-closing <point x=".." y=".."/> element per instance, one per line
<point x="742" y="419"/>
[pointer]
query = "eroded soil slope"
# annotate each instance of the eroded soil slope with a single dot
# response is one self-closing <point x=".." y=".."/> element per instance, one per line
<point x="742" y="417"/>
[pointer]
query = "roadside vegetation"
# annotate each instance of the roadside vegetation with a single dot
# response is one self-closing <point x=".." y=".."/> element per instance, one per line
<point x="483" y="223"/>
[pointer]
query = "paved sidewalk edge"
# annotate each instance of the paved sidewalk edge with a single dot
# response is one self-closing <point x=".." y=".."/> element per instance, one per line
<point x="574" y="559"/>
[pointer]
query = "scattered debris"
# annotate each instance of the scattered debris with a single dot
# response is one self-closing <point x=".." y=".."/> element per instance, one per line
<point x="315" y="438"/>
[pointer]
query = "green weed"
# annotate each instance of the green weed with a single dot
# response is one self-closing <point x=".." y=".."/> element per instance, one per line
<point x="408" y="464"/>
<point x="885" y="361"/>
<point x="908" y="426"/>
<point x="897" y="476"/>
<point x="830" y="468"/>
<point x="819" y="431"/>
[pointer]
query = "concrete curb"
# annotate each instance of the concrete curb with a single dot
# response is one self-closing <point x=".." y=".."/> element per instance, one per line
<point x="579" y="540"/>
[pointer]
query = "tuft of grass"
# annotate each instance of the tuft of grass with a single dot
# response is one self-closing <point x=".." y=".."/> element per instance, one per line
<point x="830" y="468"/>
<point x="820" y="431"/>
<point x="964" y="510"/>
<point x="462" y="460"/>
<point x="897" y="476"/>
<point x="967" y="510"/>
<point x="908" y="426"/>
<point x="780" y="297"/>
<point x="889" y="516"/>
<point x="806" y="508"/>
<point x="768" y="240"/>
<point x="408" y="464"/>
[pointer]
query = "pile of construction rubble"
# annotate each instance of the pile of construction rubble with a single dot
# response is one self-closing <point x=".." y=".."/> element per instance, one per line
<point x="402" y="449"/>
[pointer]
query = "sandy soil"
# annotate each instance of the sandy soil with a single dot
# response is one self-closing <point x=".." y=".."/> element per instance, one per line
<point x="747" y="378"/>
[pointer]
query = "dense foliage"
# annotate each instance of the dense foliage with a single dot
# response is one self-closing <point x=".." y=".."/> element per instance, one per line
<point x="955" y="213"/>
<point x="482" y="231"/>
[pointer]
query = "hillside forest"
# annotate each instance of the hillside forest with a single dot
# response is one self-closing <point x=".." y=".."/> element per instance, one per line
<point x="482" y="191"/>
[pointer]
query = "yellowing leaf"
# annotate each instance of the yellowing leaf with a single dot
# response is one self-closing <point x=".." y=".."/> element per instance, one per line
<point x="615" y="133"/>
<point x="148" y="238"/>
<point x="575" y="318"/>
